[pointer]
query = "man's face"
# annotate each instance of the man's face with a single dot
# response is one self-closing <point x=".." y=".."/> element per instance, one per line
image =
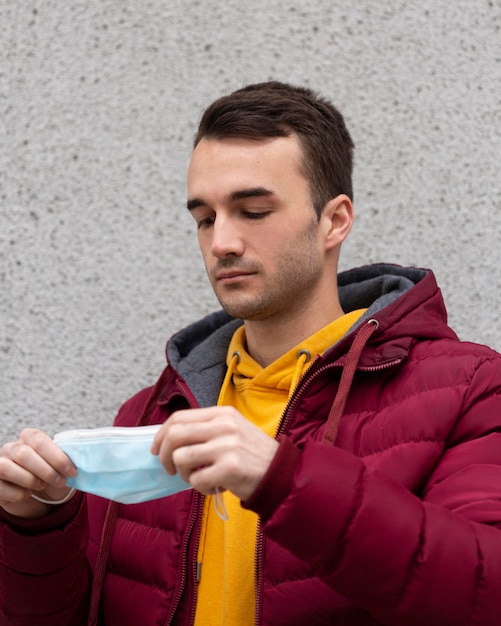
<point x="257" y="229"/>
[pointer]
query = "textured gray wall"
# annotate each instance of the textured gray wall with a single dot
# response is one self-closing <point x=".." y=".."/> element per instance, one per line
<point x="99" y="100"/>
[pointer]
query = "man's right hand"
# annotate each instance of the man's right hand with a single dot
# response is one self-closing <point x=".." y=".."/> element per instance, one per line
<point x="33" y="464"/>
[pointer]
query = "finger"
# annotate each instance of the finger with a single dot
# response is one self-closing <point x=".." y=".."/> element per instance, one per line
<point x="193" y="418"/>
<point x="199" y="415"/>
<point x="13" y="494"/>
<point x="158" y="439"/>
<point x="207" y="480"/>
<point x="178" y="432"/>
<point x="17" y="476"/>
<point x="218" y="454"/>
<point x="49" y="451"/>
<point x="38" y="456"/>
<point x="178" y="417"/>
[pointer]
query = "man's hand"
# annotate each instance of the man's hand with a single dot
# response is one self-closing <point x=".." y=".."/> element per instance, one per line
<point x="214" y="448"/>
<point x="32" y="464"/>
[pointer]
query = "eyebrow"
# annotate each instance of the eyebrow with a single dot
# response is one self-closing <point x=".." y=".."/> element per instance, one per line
<point x="241" y="194"/>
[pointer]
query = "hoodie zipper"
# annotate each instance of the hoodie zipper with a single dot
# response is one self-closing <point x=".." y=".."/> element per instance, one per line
<point x="282" y="428"/>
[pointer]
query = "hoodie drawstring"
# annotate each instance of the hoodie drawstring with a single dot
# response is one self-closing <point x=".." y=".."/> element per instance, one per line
<point x="218" y="496"/>
<point x="235" y="360"/>
<point x="101" y="562"/>
<point x="331" y="429"/>
<point x="303" y="356"/>
<point x="350" y="366"/>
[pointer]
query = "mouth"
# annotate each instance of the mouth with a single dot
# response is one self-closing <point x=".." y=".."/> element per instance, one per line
<point x="232" y="276"/>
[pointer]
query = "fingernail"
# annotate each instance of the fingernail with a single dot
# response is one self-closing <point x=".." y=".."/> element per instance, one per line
<point x="70" y="470"/>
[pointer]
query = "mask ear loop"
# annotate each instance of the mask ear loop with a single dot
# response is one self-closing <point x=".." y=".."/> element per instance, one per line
<point x="67" y="497"/>
<point x="219" y="505"/>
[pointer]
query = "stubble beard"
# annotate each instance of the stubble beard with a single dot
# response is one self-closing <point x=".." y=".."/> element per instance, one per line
<point x="288" y="290"/>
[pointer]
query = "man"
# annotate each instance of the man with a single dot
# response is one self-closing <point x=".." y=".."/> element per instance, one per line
<point x="353" y="442"/>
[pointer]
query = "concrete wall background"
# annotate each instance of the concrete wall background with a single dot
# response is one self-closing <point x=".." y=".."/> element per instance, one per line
<point x="99" y="100"/>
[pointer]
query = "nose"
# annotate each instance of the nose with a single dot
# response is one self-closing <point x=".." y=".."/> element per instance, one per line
<point x="226" y="237"/>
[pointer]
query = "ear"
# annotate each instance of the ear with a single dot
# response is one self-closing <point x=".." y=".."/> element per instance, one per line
<point x="337" y="219"/>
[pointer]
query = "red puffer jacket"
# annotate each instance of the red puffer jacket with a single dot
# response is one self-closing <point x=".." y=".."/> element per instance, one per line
<point x="382" y="505"/>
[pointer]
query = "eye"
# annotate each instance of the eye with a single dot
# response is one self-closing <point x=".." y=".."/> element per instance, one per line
<point x="203" y="219"/>
<point x="205" y="222"/>
<point x="253" y="215"/>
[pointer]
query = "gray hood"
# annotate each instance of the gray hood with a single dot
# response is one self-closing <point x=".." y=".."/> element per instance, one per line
<point x="198" y="352"/>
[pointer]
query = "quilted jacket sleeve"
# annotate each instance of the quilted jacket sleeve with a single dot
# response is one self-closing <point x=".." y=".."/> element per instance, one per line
<point x="433" y="559"/>
<point x="44" y="574"/>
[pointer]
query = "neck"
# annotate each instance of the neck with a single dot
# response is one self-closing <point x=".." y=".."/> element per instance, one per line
<point x="269" y="339"/>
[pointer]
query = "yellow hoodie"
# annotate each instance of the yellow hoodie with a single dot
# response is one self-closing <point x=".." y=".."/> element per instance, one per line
<point x="226" y="590"/>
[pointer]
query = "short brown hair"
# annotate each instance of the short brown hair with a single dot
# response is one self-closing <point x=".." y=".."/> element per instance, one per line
<point x="275" y="109"/>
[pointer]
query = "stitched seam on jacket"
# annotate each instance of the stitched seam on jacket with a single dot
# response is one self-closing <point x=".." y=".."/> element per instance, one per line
<point x="414" y="564"/>
<point x="353" y="513"/>
<point x="468" y="504"/>
<point x="479" y="580"/>
<point x="297" y="580"/>
<point x="426" y="440"/>
<point x="142" y="583"/>
<point x="402" y="399"/>
<point x="148" y="526"/>
<point x="479" y="355"/>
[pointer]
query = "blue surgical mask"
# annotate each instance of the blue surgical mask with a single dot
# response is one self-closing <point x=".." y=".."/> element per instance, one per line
<point x="116" y="463"/>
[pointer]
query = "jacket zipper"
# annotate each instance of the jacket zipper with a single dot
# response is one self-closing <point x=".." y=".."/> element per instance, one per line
<point x="282" y="428"/>
<point x="258" y="574"/>
<point x="301" y="386"/>
<point x="184" y="560"/>
<point x="199" y="499"/>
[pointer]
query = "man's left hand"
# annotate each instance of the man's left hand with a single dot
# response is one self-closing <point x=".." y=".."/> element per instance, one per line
<point x="215" y="448"/>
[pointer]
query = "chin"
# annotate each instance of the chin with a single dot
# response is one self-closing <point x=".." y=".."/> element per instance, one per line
<point x="240" y="310"/>
<point x="249" y="312"/>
